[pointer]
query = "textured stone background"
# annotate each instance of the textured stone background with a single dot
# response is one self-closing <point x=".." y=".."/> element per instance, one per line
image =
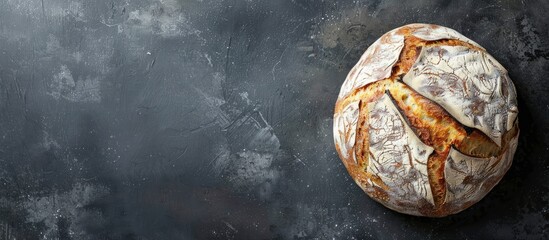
<point x="203" y="119"/>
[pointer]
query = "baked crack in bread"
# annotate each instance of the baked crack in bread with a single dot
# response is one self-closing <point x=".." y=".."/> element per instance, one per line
<point x="426" y="122"/>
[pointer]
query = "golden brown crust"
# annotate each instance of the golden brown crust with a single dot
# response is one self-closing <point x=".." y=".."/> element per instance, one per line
<point x="432" y="124"/>
<point x="361" y="145"/>
<point x="435" y="128"/>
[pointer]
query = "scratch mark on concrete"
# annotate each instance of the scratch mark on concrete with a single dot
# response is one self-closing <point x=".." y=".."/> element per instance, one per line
<point x="227" y="56"/>
<point x="279" y="61"/>
<point x="299" y="160"/>
<point x="43" y="9"/>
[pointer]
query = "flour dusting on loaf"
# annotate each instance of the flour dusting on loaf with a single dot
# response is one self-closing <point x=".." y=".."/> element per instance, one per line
<point x="426" y="121"/>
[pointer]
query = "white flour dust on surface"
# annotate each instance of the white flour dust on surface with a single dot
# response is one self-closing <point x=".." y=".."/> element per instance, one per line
<point x="51" y="9"/>
<point x="319" y="222"/>
<point x="50" y="209"/>
<point x="162" y="17"/>
<point x="249" y="154"/>
<point x="64" y="86"/>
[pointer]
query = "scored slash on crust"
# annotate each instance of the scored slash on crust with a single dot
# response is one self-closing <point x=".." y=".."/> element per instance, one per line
<point x="429" y="121"/>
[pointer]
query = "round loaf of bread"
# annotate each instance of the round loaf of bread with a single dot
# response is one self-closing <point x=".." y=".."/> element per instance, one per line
<point x="426" y="121"/>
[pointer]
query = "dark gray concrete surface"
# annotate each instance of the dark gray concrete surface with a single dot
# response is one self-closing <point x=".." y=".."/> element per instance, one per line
<point x="202" y="119"/>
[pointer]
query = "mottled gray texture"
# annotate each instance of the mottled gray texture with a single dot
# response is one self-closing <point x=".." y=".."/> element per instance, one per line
<point x="199" y="119"/>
